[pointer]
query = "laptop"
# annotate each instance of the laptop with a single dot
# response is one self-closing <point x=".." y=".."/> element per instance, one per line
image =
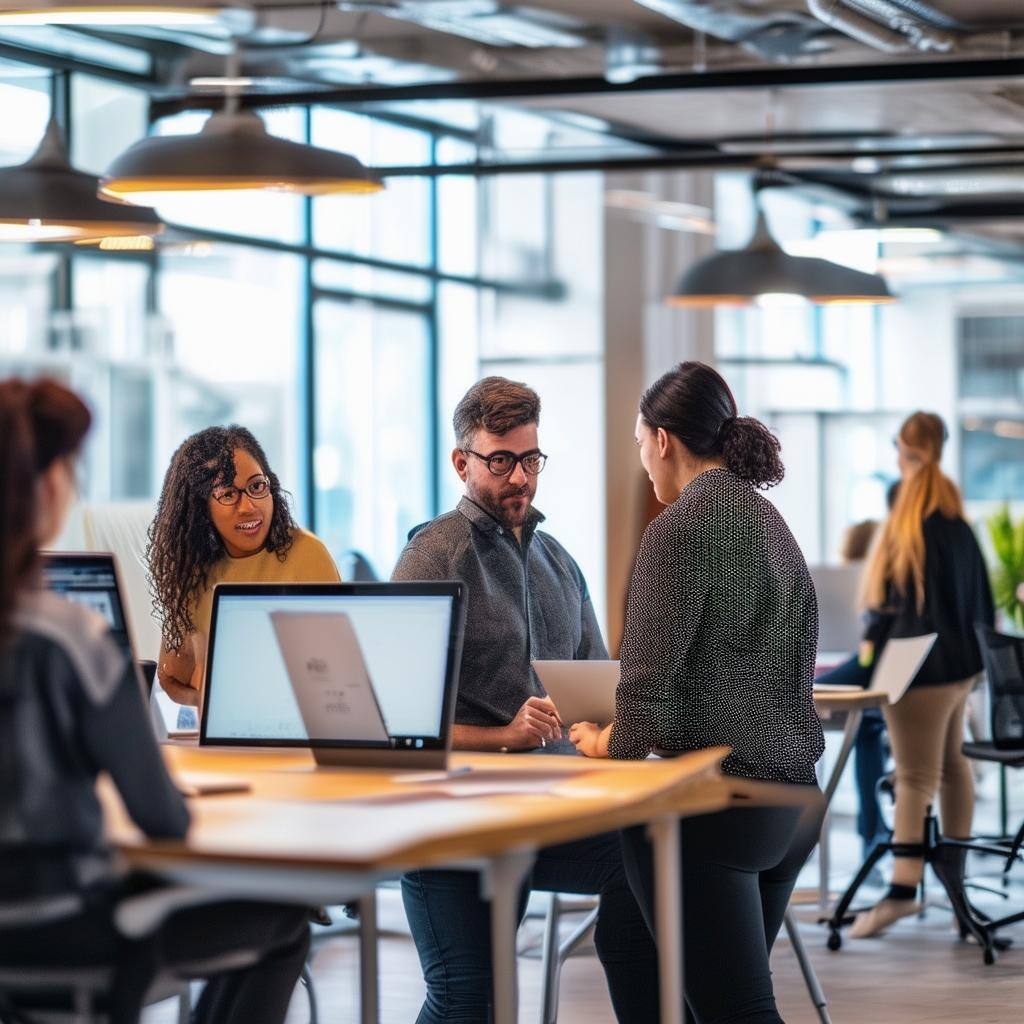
<point x="363" y="674"/>
<point x="329" y="677"/>
<point x="583" y="691"/>
<point x="900" y="662"/>
<point x="93" y="579"/>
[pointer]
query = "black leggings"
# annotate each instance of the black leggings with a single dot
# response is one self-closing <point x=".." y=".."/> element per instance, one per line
<point x="738" y="870"/>
<point x="257" y="994"/>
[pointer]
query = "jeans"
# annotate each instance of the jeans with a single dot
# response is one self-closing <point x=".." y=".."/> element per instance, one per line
<point x="869" y="755"/>
<point x="451" y="928"/>
<point x="738" y="870"/>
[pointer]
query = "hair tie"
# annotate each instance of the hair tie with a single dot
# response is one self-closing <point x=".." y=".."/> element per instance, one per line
<point x="727" y="422"/>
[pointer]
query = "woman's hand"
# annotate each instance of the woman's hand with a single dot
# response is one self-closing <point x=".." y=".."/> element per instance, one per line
<point x="176" y="672"/>
<point x="590" y="739"/>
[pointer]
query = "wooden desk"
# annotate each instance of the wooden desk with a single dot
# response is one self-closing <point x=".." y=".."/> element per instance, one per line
<point x="850" y="704"/>
<point x="318" y="835"/>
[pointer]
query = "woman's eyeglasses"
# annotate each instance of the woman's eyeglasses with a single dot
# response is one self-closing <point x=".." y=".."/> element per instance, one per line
<point x="257" y="487"/>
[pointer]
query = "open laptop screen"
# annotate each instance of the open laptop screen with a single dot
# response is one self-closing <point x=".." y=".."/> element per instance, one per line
<point x="403" y="638"/>
<point x="90" y="579"/>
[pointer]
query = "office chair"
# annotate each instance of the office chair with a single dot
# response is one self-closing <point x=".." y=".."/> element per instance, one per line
<point x="69" y="995"/>
<point x="357" y="568"/>
<point x="60" y="995"/>
<point x="1003" y="657"/>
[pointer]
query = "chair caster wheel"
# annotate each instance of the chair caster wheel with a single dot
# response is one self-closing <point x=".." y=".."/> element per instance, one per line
<point x="835" y="940"/>
<point x="990" y="957"/>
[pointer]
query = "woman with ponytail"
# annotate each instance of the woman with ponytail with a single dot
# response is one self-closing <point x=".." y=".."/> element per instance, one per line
<point x="71" y="708"/>
<point x="925" y="574"/>
<point x="719" y="646"/>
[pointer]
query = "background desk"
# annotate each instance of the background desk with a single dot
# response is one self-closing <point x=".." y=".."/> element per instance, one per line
<point x="315" y="835"/>
<point x="850" y="705"/>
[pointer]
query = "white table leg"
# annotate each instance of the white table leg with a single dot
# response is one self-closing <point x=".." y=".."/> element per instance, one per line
<point x="824" y="845"/>
<point x="501" y="881"/>
<point x="369" y="999"/>
<point x="668" y="901"/>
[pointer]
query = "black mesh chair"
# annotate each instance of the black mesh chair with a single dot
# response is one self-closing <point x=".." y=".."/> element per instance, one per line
<point x="1004" y="666"/>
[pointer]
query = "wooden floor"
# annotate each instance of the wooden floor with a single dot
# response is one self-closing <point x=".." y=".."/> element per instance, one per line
<point x="920" y="973"/>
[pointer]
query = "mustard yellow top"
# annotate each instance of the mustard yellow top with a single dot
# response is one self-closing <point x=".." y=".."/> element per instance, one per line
<point x="306" y="561"/>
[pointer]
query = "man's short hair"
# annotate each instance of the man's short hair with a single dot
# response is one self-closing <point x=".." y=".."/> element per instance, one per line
<point x="496" y="405"/>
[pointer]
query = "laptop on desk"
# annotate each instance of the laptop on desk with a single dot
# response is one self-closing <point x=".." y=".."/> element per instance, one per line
<point x="92" y="578"/>
<point x="362" y="674"/>
<point x="899" y="663"/>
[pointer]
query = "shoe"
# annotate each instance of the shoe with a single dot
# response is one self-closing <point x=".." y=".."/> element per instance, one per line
<point x="879" y="917"/>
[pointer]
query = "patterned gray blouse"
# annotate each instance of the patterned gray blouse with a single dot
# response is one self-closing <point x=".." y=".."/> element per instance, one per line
<point x="720" y="639"/>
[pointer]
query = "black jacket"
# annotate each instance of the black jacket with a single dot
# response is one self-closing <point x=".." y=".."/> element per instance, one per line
<point x="957" y="595"/>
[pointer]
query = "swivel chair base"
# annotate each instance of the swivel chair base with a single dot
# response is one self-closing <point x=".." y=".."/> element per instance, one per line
<point x="946" y="857"/>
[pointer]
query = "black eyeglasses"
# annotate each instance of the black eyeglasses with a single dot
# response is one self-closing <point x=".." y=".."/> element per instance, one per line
<point x="257" y="487"/>
<point x="504" y="463"/>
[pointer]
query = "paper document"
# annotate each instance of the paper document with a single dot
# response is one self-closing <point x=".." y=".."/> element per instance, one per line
<point x="204" y="784"/>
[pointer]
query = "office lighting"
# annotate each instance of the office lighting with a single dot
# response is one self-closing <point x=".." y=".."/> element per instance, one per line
<point x="742" y="276"/>
<point x="233" y="152"/>
<point x="123" y="14"/>
<point x="46" y="200"/>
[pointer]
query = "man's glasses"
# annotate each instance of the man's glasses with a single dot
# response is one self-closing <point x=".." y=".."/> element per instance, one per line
<point x="504" y="463"/>
<point x="257" y="487"/>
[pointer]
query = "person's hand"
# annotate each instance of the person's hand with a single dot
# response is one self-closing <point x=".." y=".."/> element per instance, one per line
<point x="866" y="654"/>
<point x="179" y="692"/>
<point x="176" y="672"/>
<point x="536" y="722"/>
<point x="585" y="736"/>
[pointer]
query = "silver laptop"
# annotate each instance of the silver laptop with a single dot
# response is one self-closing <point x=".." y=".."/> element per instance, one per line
<point x="840" y="626"/>
<point x="363" y="674"/>
<point x="329" y="677"/>
<point x="583" y="691"/>
<point x="900" y="662"/>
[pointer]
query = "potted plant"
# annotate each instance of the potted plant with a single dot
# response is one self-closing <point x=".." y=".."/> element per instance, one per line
<point x="1008" y="572"/>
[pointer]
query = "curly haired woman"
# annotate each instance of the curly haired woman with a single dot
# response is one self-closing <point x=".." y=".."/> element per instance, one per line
<point x="222" y="518"/>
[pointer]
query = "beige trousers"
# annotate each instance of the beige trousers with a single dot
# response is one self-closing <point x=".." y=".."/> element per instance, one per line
<point x="926" y="730"/>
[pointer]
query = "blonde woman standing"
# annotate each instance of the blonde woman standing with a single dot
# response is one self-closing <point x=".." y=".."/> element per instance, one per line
<point x="926" y="574"/>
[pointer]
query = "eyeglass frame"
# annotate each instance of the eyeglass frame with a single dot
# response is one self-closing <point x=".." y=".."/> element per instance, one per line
<point x="242" y="490"/>
<point x="517" y="460"/>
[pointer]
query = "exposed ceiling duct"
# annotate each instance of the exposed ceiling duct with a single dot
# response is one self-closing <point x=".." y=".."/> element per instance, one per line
<point x="482" y="21"/>
<point x="773" y="34"/>
<point x="902" y="26"/>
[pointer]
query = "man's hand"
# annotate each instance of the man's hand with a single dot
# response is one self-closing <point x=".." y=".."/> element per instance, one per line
<point x="590" y="739"/>
<point x="536" y="722"/>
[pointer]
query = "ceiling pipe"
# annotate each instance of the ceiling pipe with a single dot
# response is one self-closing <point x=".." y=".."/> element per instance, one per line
<point x="922" y="36"/>
<point x="857" y="26"/>
<point x="884" y="25"/>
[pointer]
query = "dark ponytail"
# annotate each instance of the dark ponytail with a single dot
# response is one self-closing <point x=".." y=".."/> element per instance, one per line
<point x="39" y="423"/>
<point x="694" y="403"/>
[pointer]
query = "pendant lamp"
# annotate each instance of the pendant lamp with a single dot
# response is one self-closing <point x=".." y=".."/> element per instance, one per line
<point x="233" y="152"/>
<point x="762" y="267"/>
<point x="46" y="200"/>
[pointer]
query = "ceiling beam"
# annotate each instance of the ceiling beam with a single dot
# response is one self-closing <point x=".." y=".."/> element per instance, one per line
<point x="735" y="78"/>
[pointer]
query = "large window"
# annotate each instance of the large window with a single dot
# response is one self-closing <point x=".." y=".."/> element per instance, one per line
<point x="342" y="331"/>
<point x="373" y="454"/>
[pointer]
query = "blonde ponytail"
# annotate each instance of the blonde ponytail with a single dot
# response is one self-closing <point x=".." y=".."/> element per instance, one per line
<point x="898" y="557"/>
